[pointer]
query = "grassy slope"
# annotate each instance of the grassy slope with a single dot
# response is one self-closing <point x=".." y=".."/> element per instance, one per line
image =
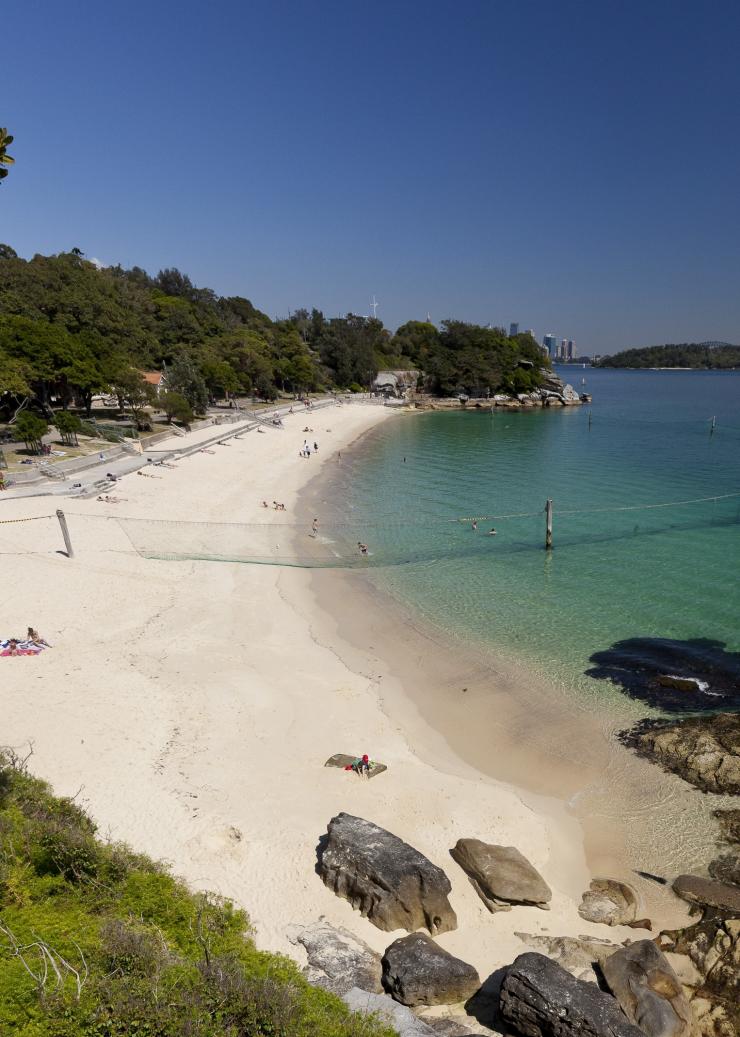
<point x="154" y="959"/>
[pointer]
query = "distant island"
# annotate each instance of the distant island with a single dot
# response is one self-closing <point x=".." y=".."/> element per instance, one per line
<point x="701" y="356"/>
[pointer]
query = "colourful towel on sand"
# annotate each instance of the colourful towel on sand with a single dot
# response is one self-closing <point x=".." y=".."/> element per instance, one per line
<point x="22" y="648"/>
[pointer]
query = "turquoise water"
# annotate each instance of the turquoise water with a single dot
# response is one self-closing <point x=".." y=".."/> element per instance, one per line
<point x="618" y="570"/>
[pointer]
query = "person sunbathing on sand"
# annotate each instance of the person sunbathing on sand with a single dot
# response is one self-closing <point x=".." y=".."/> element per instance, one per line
<point x="361" y="766"/>
<point x="33" y="635"/>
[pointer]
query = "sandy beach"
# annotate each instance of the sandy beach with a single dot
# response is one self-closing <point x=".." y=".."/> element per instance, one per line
<point x="190" y="705"/>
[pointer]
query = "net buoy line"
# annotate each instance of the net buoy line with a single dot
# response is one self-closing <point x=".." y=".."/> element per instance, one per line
<point x="32" y="518"/>
<point x="402" y="522"/>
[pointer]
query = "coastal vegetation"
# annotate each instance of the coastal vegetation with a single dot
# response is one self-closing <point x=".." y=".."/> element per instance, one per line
<point x="70" y="330"/>
<point x="699" y="356"/>
<point x="99" y="941"/>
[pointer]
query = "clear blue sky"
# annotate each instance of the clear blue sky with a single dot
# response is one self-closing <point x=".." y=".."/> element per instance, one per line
<point x="574" y="166"/>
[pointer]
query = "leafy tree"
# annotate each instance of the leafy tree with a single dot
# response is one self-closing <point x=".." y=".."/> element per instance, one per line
<point x="137" y="394"/>
<point x="176" y="406"/>
<point x="14" y="376"/>
<point x="31" y="429"/>
<point x="220" y="377"/>
<point x="68" y="426"/>
<point x="5" y="160"/>
<point x="185" y="379"/>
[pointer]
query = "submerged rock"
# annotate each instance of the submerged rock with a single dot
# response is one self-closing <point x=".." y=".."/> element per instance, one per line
<point x="384" y="878"/>
<point x="703" y="750"/>
<point x="337" y="959"/>
<point x="501" y="875"/>
<point x="648" y="990"/>
<point x="636" y="665"/>
<point x="729" y="823"/>
<point x="672" y="680"/>
<point x="417" y="971"/>
<point x="540" y="999"/>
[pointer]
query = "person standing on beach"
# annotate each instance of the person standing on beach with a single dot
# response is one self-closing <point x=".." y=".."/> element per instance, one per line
<point x="314" y="527"/>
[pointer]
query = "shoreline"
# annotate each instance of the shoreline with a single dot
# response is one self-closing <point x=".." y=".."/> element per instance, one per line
<point x="213" y="693"/>
<point x="494" y="714"/>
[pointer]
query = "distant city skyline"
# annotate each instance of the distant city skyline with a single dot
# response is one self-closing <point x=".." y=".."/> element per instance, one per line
<point x="264" y="153"/>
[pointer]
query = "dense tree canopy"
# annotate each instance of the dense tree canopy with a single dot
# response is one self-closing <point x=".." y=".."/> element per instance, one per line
<point x="686" y="354"/>
<point x="69" y="330"/>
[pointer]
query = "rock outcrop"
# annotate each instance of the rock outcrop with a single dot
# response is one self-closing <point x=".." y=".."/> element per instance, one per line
<point x="726" y="869"/>
<point x="501" y="875"/>
<point x="703" y="750"/>
<point x="540" y="999"/>
<point x="384" y="878"/>
<point x="648" y="990"/>
<point x="729" y="823"/>
<point x="417" y="971"/>
<point x="609" y="902"/>
<point x="706" y="959"/>
<point x="338" y="960"/>
<point x="724" y="896"/>
<point x="401" y="1018"/>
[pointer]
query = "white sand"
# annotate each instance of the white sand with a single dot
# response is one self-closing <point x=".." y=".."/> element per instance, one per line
<point x="191" y="705"/>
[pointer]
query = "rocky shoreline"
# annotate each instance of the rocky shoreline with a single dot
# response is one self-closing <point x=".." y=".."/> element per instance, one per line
<point x="552" y="393"/>
<point x="681" y="983"/>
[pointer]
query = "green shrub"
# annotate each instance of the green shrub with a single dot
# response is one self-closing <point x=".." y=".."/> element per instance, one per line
<point x="138" y="954"/>
<point x="31" y="429"/>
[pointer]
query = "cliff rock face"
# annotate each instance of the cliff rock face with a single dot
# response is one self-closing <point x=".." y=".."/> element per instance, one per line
<point x="384" y="878"/>
<point x="705" y="750"/>
<point x="501" y="875"/>
<point x="540" y="999"/>
<point x="417" y="971"/>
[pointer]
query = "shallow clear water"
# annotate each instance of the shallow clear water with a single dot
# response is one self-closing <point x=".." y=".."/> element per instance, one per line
<point x="618" y="569"/>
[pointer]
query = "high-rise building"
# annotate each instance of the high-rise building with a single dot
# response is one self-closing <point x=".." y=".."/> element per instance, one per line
<point x="563" y="352"/>
<point x="550" y="343"/>
<point x="513" y="329"/>
<point x="572" y="354"/>
<point x="530" y="331"/>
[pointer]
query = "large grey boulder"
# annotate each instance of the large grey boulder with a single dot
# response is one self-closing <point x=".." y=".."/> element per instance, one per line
<point x="401" y="1018"/>
<point x="540" y="999"/>
<point x="384" y="878"/>
<point x="337" y="959"/>
<point x="417" y="971"/>
<point x="501" y="875"/>
<point x="609" y="902"/>
<point x="709" y="893"/>
<point x="648" y="990"/>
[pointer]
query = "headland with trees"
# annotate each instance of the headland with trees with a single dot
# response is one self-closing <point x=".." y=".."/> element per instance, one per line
<point x="70" y="331"/>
